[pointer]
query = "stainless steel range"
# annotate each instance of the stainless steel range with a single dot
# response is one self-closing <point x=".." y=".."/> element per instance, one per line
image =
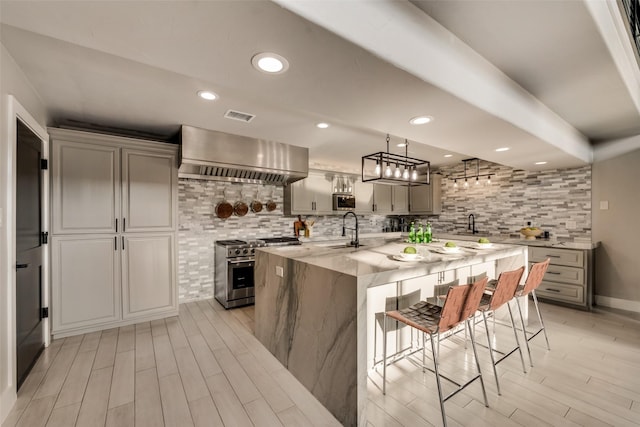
<point x="234" y="262"/>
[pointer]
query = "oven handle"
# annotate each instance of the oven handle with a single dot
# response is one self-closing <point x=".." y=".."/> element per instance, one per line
<point x="241" y="261"/>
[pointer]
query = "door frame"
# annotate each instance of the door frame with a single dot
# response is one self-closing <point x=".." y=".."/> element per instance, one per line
<point x="16" y="112"/>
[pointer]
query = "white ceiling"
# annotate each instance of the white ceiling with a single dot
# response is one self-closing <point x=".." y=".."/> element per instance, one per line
<point x="535" y="76"/>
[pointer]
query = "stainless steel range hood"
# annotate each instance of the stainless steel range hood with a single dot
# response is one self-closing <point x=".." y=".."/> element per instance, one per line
<point x="207" y="154"/>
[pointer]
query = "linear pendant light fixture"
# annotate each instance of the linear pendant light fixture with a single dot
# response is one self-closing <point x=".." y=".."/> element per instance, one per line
<point x="395" y="169"/>
<point x="476" y="181"/>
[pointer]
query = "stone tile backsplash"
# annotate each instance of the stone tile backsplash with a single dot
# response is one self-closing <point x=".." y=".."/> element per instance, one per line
<point x="556" y="200"/>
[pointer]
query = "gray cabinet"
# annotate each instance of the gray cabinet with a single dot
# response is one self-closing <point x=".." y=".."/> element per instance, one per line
<point x="426" y="199"/>
<point x="390" y="199"/>
<point x="569" y="278"/>
<point x="363" y="192"/>
<point x="114" y="209"/>
<point x="312" y="195"/>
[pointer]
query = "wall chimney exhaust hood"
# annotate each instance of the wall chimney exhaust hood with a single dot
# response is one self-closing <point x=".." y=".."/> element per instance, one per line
<point x="219" y="156"/>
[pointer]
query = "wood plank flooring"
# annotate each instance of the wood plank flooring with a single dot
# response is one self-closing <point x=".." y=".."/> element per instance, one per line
<point x="205" y="368"/>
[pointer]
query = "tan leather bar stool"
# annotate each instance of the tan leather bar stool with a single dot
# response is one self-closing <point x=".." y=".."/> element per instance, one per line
<point x="504" y="292"/>
<point x="536" y="273"/>
<point x="460" y="305"/>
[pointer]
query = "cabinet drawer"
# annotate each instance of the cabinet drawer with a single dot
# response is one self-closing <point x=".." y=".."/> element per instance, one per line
<point x="571" y="258"/>
<point x="562" y="274"/>
<point x="560" y="292"/>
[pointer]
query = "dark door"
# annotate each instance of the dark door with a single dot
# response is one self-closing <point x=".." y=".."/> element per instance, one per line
<point x="29" y="334"/>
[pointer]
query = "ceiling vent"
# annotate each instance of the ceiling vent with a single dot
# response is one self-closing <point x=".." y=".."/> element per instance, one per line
<point x="238" y="115"/>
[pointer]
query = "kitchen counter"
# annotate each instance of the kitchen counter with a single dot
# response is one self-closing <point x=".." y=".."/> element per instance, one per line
<point x="313" y="306"/>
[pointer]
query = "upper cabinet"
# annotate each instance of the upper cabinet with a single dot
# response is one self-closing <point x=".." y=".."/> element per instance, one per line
<point x="311" y="195"/>
<point x="101" y="187"/>
<point x="426" y="199"/>
<point x="363" y="192"/>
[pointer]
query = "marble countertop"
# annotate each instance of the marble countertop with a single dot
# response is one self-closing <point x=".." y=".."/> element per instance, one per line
<point x="376" y="262"/>
<point x="582" y="244"/>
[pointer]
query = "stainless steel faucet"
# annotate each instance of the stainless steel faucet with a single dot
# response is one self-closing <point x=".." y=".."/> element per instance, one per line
<point x="472" y="224"/>
<point x="356" y="242"/>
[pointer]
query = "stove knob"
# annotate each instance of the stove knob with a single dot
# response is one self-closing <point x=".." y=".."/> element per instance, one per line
<point x="245" y="251"/>
<point x="237" y="251"/>
<point x="253" y="251"/>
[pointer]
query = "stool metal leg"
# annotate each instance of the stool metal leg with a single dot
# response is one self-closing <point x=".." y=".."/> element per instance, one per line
<point x="515" y="334"/>
<point x="524" y="331"/>
<point x="384" y="354"/>
<point x="435" y="367"/>
<point x="475" y="354"/>
<point x="493" y="359"/>
<point x="544" y="330"/>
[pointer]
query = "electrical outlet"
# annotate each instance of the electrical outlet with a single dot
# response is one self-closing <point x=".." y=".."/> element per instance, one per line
<point x="571" y="225"/>
<point x="604" y="205"/>
<point x="279" y="271"/>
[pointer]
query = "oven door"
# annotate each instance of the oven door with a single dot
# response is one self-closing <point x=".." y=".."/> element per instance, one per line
<point x="240" y="278"/>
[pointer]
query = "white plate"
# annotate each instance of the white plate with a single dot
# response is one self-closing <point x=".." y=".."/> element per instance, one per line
<point x="456" y="251"/>
<point x="484" y="245"/>
<point x="402" y="258"/>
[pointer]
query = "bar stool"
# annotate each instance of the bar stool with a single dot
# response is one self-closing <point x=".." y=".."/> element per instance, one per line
<point x="536" y="273"/>
<point x="504" y="291"/>
<point x="460" y="305"/>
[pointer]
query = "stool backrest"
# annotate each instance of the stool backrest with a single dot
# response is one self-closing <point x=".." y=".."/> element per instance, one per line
<point x="474" y="296"/>
<point x="451" y="313"/>
<point x="506" y="287"/>
<point x="536" y="273"/>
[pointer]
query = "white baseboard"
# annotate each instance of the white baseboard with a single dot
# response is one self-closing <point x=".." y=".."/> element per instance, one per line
<point x="617" y="303"/>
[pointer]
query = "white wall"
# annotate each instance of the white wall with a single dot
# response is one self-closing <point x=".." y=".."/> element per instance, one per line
<point x="615" y="182"/>
<point x="12" y="82"/>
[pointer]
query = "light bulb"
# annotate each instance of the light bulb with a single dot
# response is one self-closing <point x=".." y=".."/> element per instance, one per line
<point x="466" y="184"/>
<point x="397" y="172"/>
<point x="414" y="175"/>
<point x="455" y="183"/>
<point x="377" y="168"/>
<point x="405" y="174"/>
<point x="477" y="181"/>
<point x="489" y="180"/>
<point x="387" y="171"/>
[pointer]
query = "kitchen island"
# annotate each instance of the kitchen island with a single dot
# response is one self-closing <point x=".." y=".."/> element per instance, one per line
<point x="316" y="306"/>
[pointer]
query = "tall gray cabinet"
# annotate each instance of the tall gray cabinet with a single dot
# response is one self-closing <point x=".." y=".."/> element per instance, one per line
<point x="114" y="219"/>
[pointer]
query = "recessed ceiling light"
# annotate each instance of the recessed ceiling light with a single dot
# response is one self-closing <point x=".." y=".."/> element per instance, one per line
<point x="448" y="155"/>
<point x="208" y="95"/>
<point x="502" y="149"/>
<point x="322" y="125"/>
<point x="269" y="62"/>
<point x="421" y="120"/>
<point x="402" y="144"/>
<point x="541" y="163"/>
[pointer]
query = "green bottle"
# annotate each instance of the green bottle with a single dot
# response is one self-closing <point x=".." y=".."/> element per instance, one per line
<point x="419" y="234"/>
<point x="412" y="233"/>
<point x="427" y="233"/>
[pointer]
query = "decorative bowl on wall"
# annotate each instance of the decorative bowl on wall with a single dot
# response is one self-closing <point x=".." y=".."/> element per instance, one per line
<point x="530" y="233"/>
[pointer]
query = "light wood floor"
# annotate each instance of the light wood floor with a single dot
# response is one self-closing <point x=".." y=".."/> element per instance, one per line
<point x="206" y="368"/>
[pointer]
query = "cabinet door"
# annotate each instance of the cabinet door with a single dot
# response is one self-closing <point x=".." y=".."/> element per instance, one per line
<point x="148" y="274"/>
<point x="298" y="199"/>
<point x="85" y="284"/>
<point x="400" y="200"/>
<point x="86" y="188"/>
<point x="426" y="199"/>
<point x="382" y="197"/>
<point x="149" y="191"/>
<point x="321" y="187"/>
<point x="363" y="192"/>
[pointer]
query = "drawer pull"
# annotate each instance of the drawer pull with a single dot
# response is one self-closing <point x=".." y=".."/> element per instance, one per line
<point x="553" y="256"/>
<point x="552" y="290"/>
<point x="553" y="272"/>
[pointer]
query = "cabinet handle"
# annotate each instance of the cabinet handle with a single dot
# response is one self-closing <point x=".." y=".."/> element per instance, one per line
<point x="552" y="290"/>
<point x="553" y="272"/>
<point x="22" y="266"/>
<point x="115" y="243"/>
<point x="553" y="256"/>
<point x="116" y="225"/>
<point x="123" y="243"/>
<point x="124" y="224"/>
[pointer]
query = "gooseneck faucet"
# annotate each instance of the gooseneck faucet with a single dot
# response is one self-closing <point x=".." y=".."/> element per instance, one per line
<point x="472" y="224"/>
<point x="356" y="242"/>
